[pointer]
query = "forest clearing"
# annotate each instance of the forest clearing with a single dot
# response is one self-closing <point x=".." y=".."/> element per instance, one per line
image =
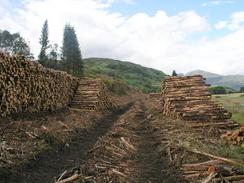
<point x="180" y="135"/>
<point x="121" y="91"/>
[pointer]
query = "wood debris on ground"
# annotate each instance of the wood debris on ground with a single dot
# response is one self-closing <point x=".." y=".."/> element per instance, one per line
<point x="129" y="152"/>
<point x="188" y="150"/>
<point x="108" y="160"/>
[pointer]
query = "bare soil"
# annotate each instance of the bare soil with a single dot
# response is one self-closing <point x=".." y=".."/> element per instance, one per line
<point x="151" y="166"/>
<point x="48" y="164"/>
<point x="129" y="152"/>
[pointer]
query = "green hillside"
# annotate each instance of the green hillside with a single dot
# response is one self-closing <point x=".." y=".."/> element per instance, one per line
<point x="142" y="78"/>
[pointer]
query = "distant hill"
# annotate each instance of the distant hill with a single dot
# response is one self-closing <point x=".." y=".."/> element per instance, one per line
<point x="232" y="81"/>
<point x="142" y="78"/>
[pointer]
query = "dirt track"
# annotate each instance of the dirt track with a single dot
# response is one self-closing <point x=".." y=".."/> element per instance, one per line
<point x="148" y="159"/>
<point x="141" y="162"/>
<point x="50" y="164"/>
<point x="129" y="152"/>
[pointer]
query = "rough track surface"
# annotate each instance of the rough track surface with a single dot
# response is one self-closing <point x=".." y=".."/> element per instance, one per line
<point x="50" y="164"/>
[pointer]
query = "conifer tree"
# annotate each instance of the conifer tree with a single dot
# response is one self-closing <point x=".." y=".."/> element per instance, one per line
<point x="174" y="73"/>
<point x="71" y="54"/>
<point x="43" y="58"/>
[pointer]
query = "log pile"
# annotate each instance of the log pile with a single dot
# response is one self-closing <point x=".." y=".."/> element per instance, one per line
<point x="188" y="98"/>
<point x="27" y="87"/>
<point x="234" y="137"/>
<point x="91" y="95"/>
<point x="215" y="170"/>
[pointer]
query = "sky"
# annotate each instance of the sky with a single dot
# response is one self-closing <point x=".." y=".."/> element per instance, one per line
<point x="181" y="35"/>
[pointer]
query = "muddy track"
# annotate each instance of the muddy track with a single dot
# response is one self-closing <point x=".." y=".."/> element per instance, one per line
<point x="148" y="159"/>
<point x="49" y="164"/>
<point x="123" y="147"/>
<point x="129" y="152"/>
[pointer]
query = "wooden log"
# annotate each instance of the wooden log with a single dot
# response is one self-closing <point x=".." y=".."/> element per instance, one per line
<point x="188" y="98"/>
<point x="230" y="178"/>
<point x="209" y="178"/>
<point x="70" y="179"/>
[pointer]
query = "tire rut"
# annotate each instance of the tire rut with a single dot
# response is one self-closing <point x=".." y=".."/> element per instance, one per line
<point x="128" y="153"/>
<point x="49" y="164"/>
<point x="148" y="159"/>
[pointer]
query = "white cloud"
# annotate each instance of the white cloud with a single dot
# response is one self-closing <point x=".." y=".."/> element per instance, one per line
<point x="127" y="1"/>
<point x="235" y="22"/>
<point x="217" y="3"/>
<point x="159" y="41"/>
<point x="110" y="2"/>
<point x="221" y="25"/>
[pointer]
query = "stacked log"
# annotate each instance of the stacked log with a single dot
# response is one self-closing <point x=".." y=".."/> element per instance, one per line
<point x="91" y="95"/>
<point x="26" y="86"/>
<point x="216" y="169"/>
<point x="235" y="137"/>
<point x="188" y="98"/>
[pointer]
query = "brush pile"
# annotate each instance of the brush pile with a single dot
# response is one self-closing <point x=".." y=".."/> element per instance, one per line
<point x="188" y="98"/>
<point x="91" y="95"/>
<point x="234" y="137"/>
<point x="26" y="86"/>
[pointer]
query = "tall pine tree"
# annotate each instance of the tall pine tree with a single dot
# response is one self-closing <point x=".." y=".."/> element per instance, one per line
<point x="43" y="58"/>
<point x="174" y="73"/>
<point x="71" y="54"/>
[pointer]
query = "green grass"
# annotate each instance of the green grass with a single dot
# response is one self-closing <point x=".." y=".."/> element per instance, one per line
<point x="234" y="103"/>
<point x="145" y="79"/>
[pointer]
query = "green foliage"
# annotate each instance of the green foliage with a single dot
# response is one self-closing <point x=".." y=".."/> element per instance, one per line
<point x="53" y="56"/>
<point x="230" y="90"/>
<point x="221" y="90"/>
<point x="43" y="58"/>
<point x="14" y="44"/>
<point x="145" y="79"/>
<point x="217" y="90"/>
<point x="48" y="56"/>
<point x="71" y="54"/>
<point x="232" y="152"/>
<point x="116" y="86"/>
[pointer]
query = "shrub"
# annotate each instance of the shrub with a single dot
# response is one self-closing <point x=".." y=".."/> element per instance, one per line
<point x="217" y="90"/>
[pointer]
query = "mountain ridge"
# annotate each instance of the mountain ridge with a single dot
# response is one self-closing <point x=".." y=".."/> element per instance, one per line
<point x="232" y="81"/>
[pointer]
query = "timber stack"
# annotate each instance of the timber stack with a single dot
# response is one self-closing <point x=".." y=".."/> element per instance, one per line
<point x="91" y="95"/>
<point x="187" y="98"/>
<point x="213" y="170"/>
<point x="235" y="137"/>
<point x="27" y="87"/>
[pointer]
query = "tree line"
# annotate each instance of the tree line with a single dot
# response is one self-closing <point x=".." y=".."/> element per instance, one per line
<point x="68" y="58"/>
